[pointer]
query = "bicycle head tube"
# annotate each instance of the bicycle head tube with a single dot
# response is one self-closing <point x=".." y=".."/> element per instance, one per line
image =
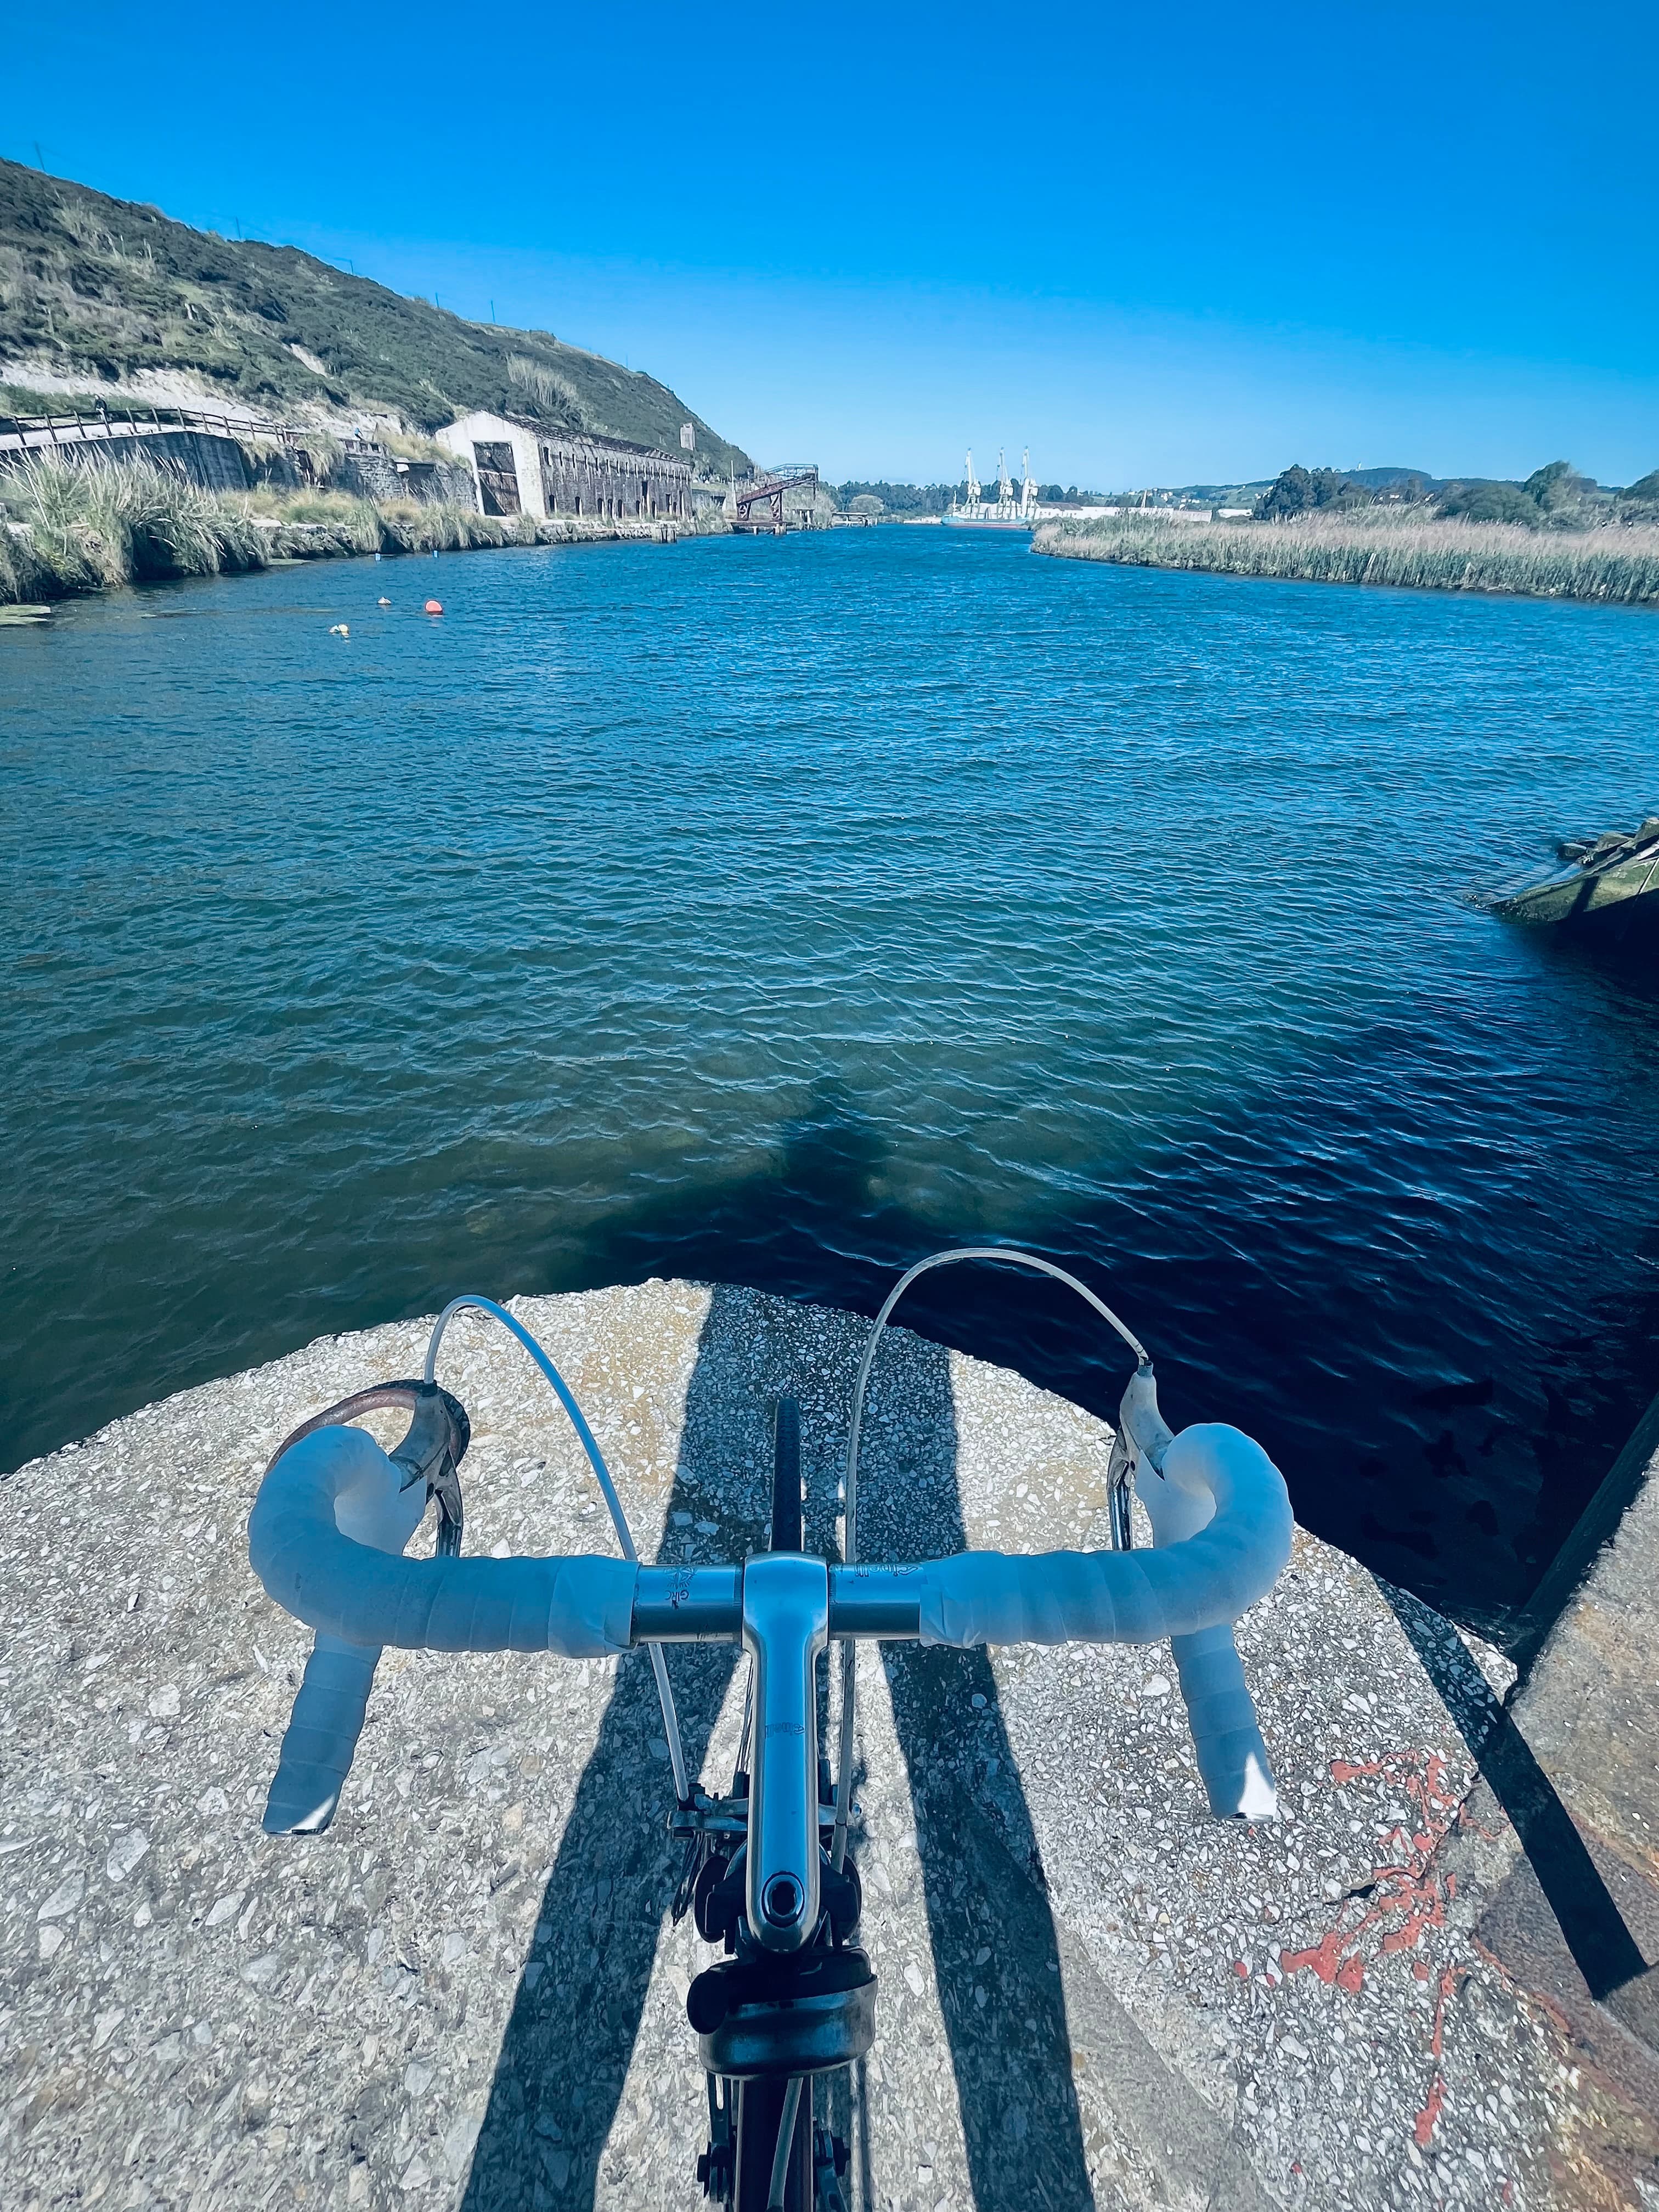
<point x="785" y="1624"/>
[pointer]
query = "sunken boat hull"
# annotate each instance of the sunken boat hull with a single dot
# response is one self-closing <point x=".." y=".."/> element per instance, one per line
<point x="1612" y="892"/>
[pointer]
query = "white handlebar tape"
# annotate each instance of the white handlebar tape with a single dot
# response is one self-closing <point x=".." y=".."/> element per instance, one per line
<point x="1221" y="1531"/>
<point x="328" y="1528"/>
<point x="325" y="1539"/>
<point x="322" y="1737"/>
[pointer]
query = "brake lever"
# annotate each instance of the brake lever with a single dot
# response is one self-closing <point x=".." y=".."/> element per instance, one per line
<point x="334" y="1696"/>
<point x="1141" y="1434"/>
<point x="433" y="1449"/>
<point x="439" y="1433"/>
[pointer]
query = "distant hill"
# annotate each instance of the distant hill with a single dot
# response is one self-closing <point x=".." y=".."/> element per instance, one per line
<point x="99" y="288"/>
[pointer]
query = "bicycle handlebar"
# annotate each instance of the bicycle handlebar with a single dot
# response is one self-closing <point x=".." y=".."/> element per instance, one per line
<point x="332" y="1516"/>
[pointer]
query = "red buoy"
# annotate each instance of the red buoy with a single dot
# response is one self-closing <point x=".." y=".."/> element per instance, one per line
<point x="435" y="607"/>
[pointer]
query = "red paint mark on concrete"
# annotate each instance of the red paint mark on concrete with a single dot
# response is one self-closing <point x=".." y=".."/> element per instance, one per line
<point x="1325" y="1958"/>
<point x="1409" y="1896"/>
<point x="1423" y="2127"/>
<point x="1407" y="1899"/>
<point x="1241" y="1969"/>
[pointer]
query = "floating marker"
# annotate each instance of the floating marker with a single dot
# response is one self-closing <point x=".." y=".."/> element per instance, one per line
<point x="435" y="607"/>
<point x="383" y="603"/>
<point x="339" y="630"/>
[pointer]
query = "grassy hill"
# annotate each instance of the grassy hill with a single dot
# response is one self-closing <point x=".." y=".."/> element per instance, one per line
<point x="97" y="288"/>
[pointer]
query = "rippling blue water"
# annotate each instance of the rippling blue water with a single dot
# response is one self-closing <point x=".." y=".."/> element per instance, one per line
<point x="779" y="910"/>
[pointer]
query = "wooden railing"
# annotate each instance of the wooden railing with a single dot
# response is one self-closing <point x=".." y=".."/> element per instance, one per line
<point x="79" y="428"/>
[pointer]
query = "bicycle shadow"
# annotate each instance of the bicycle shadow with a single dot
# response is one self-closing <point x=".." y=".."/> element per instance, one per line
<point x="996" y="1960"/>
<point x="571" y="2034"/>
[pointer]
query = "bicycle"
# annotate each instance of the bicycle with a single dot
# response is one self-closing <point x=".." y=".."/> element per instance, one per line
<point x="791" y="2000"/>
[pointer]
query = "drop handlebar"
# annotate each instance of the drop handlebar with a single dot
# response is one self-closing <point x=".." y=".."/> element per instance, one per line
<point x="333" y="1514"/>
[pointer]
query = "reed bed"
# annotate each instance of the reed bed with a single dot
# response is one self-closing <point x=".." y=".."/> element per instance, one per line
<point x="1618" y="564"/>
<point x="73" y="528"/>
<point x="67" y="527"/>
<point x="319" y="524"/>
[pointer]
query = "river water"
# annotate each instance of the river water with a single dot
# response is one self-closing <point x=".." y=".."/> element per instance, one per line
<point x="777" y="911"/>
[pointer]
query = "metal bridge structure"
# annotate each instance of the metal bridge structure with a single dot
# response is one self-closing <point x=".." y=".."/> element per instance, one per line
<point x="771" y="485"/>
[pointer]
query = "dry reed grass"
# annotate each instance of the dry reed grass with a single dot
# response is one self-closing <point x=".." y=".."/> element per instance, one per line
<point x="69" y="526"/>
<point x="1618" y="564"/>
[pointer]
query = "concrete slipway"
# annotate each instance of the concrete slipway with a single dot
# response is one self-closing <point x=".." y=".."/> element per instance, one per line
<point x="468" y="1994"/>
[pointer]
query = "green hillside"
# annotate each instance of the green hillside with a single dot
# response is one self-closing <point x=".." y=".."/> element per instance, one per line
<point x="95" y="288"/>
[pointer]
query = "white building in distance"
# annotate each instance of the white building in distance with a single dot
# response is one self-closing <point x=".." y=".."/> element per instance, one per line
<point x="522" y="467"/>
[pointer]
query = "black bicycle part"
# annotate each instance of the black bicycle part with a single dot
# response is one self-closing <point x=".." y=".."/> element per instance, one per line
<point x="439" y="1433"/>
<point x="787" y="1526"/>
<point x="829" y="2164"/>
<point x="718" y="2165"/>
<point x="841" y="1894"/>
<point x="765" y="2015"/>
<point x="760" y="2111"/>
<point x="761" y="2020"/>
<point x="431" y="1451"/>
<point x="717" y="1898"/>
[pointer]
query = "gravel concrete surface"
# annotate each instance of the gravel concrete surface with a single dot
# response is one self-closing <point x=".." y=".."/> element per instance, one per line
<point x="468" y="1993"/>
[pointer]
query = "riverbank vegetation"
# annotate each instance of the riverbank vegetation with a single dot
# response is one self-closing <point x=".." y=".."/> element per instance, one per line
<point x="1379" y="545"/>
<point x="1554" y="497"/>
<point x="877" y="497"/>
<point x="70" y="529"/>
<point x="67" y="527"/>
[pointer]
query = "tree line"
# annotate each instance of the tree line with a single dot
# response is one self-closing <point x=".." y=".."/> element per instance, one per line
<point x="1555" y="496"/>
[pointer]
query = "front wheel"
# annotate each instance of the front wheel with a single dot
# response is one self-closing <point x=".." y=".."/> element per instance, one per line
<point x="787" y="1522"/>
<point x="760" y="2110"/>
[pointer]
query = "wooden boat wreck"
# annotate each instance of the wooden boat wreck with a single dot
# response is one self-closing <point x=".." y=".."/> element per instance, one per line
<point x="1610" y="886"/>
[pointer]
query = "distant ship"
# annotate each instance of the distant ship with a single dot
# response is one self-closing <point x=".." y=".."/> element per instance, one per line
<point x="1007" y="513"/>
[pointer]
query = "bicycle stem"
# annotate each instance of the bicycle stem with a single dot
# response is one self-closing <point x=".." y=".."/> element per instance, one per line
<point x="784" y="1607"/>
<point x="786" y="1624"/>
<point x="706" y="1605"/>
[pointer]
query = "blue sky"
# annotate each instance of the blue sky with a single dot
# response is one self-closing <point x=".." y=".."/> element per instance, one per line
<point x="1159" y="245"/>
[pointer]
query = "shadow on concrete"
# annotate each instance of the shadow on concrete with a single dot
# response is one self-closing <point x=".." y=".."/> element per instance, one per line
<point x="576" y="2014"/>
<point x="1591" y="1924"/>
<point x="996" y="1959"/>
<point x="570" y="2037"/>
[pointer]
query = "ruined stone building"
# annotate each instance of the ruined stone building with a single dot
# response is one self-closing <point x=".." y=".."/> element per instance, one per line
<point x="522" y="467"/>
